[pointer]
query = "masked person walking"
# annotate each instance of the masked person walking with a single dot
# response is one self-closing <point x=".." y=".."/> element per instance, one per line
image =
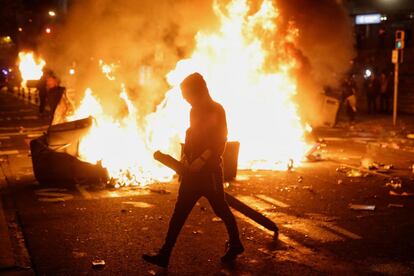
<point x="202" y="159"/>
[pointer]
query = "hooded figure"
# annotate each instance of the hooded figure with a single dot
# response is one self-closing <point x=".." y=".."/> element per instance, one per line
<point x="202" y="158"/>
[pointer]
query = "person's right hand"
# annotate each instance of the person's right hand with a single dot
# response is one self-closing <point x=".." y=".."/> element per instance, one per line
<point x="196" y="165"/>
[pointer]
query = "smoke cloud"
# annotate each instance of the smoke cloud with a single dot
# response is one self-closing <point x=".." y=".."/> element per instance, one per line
<point x="142" y="39"/>
<point x="325" y="47"/>
<point x="137" y="36"/>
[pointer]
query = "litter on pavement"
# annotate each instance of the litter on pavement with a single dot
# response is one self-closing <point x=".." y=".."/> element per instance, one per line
<point x="98" y="263"/>
<point x="354" y="173"/>
<point x="361" y="207"/>
<point x="395" y="183"/>
<point x="369" y="164"/>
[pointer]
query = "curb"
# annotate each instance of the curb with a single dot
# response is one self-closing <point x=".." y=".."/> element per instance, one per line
<point x="6" y="250"/>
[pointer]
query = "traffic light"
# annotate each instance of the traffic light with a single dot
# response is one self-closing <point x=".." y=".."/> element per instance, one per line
<point x="399" y="39"/>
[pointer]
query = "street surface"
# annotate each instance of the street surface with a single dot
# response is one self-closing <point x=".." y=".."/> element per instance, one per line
<point x="62" y="230"/>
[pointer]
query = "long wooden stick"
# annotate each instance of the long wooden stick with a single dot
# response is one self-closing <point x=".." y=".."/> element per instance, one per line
<point x="249" y="212"/>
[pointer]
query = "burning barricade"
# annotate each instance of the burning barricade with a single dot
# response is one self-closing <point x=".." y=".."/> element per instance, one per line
<point x="55" y="155"/>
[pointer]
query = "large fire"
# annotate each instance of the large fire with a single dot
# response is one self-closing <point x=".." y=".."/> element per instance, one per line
<point x="257" y="96"/>
<point x="30" y="67"/>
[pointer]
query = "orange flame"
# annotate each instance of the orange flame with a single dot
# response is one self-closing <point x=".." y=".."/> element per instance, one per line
<point x="260" y="111"/>
<point x="30" y="68"/>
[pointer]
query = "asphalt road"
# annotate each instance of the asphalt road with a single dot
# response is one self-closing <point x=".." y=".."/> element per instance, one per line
<point x="61" y="230"/>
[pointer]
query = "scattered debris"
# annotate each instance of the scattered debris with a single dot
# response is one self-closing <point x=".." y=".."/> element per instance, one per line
<point x="361" y="207"/>
<point x="300" y="179"/>
<point x="351" y="172"/>
<point x="369" y="164"/>
<point x="354" y="173"/>
<point x="385" y="168"/>
<point x="391" y="205"/>
<point x="152" y="272"/>
<point x="98" y="263"/>
<point x="340" y="181"/>
<point x="342" y="169"/>
<point x="309" y="188"/>
<point x="395" y="183"/>
<point x="315" y="157"/>
<point x="144" y="229"/>
<point x="202" y="208"/>
<point x="311" y="155"/>
<point x="159" y="191"/>
<point x="392" y="193"/>
<point x="264" y="251"/>
<point x="216" y="219"/>
<point x="197" y="232"/>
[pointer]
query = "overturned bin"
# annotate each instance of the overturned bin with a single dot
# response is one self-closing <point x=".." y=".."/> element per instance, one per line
<point x="55" y="155"/>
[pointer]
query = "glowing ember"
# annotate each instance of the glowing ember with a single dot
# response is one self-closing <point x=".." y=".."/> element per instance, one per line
<point x="235" y="62"/>
<point x="30" y="68"/>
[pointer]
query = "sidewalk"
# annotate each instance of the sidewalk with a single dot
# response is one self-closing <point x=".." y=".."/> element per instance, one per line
<point x="6" y="251"/>
<point x="19" y="122"/>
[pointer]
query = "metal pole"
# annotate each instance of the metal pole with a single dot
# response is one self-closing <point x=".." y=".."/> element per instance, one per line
<point x="395" y="92"/>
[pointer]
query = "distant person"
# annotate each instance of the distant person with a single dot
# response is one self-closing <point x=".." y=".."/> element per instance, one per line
<point x="349" y="98"/>
<point x="372" y="90"/>
<point x="54" y="94"/>
<point x="42" y="89"/>
<point x="384" y="93"/>
<point x="202" y="156"/>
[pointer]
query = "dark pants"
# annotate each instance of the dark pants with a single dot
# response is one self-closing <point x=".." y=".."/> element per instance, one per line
<point x="350" y="112"/>
<point x="372" y="104"/>
<point x="42" y="100"/>
<point x="191" y="190"/>
<point x="384" y="102"/>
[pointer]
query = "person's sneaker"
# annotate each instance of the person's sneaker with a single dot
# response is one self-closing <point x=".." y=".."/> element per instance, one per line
<point x="161" y="260"/>
<point x="232" y="253"/>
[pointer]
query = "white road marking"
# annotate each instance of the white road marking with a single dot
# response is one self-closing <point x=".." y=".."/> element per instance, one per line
<point x="317" y="230"/>
<point x="138" y="204"/>
<point x="301" y="248"/>
<point x="254" y="203"/>
<point x="343" y="231"/>
<point x="273" y="201"/>
<point x="313" y="231"/>
<point x="121" y="193"/>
